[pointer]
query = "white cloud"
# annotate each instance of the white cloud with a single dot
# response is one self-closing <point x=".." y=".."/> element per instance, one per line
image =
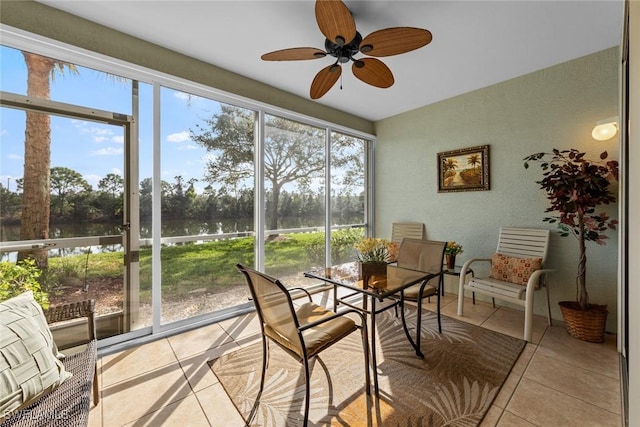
<point x="188" y="147"/>
<point x="179" y="137"/>
<point x="116" y="171"/>
<point x="14" y="157"/>
<point x="93" y="179"/>
<point x="170" y="173"/>
<point x="97" y="134"/>
<point x="118" y="139"/>
<point x="109" y="151"/>
<point x="4" y="132"/>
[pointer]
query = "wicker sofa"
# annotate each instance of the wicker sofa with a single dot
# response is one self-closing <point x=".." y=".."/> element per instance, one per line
<point x="69" y="404"/>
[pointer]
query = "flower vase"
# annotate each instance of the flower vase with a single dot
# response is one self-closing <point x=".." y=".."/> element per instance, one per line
<point x="368" y="269"/>
<point x="451" y="261"/>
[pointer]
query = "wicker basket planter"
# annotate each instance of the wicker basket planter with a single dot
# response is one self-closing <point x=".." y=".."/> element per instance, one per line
<point x="587" y="325"/>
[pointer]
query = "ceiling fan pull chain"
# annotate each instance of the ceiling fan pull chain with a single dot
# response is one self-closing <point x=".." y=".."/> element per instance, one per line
<point x="340" y="81"/>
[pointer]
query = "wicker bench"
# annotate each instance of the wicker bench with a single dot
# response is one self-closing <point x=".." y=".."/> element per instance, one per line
<point x="69" y="404"/>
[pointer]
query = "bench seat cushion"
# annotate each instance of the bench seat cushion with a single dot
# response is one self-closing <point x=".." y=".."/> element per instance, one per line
<point x="315" y="338"/>
<point x="69" y="404"/>
<point x="29" y="367"/>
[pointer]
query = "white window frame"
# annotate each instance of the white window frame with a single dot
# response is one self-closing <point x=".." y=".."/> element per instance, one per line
<point x="22" y="40"/>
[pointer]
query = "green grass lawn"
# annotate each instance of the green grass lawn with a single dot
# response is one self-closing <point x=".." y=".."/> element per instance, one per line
<point x="190" y="267"/>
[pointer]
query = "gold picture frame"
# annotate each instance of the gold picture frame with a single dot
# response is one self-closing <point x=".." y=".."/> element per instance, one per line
<point x="466" y="169"/>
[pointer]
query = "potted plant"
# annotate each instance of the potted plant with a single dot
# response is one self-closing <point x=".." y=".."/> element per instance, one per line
<point x="373" y="254"/>
<point x="450" y="251"/>
<point x="575" y="186"/>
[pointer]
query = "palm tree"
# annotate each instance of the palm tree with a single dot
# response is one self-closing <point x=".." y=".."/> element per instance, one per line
<point x="450" y="165"/>
<point x="473" y="160"/>
<point x="37" y="156"/>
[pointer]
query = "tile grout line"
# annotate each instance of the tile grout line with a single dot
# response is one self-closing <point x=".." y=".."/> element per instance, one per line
<point x="586" y="368"/>
<point x="231" y="340"/>
<point x="521" y="376"/>
<point x="176" y="361"/>
<point x="572" y="397"/>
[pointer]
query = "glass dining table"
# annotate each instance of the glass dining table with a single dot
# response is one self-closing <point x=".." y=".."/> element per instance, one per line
<point x="345" y="278"/>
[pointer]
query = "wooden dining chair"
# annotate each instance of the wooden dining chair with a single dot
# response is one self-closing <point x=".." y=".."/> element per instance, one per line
<point x="426" y="256"/>
<point x="302" y="333"/>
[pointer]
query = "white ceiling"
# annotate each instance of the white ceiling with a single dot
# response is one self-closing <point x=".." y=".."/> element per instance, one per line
<point x="475" y="43"/>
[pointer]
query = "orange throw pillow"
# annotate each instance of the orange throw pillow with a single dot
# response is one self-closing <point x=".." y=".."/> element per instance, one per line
<point x="513" y="269"/>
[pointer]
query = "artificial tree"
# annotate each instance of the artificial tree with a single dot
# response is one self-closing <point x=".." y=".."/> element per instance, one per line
<point x="575" y="186"/>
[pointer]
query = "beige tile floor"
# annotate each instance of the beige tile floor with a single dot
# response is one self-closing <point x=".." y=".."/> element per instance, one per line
<point x="557" y="381"/>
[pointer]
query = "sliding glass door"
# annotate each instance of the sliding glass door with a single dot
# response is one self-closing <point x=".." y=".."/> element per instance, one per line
<point x="65" y="222"/>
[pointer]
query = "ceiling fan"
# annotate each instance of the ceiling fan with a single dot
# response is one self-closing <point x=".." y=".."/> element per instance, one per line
<point x="343" y="42"/>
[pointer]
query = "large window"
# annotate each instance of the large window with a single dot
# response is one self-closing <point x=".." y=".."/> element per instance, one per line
<point x="64" y="200"/>
<point x="294" y="165"/>
<point x="348" y="194"/>
<point x="143" y="191"/>
<point x="28" y="73"/>
<point x="207" y="184"/>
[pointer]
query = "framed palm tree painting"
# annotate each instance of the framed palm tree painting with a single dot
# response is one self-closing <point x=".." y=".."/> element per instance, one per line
<point x="466" y="169"/>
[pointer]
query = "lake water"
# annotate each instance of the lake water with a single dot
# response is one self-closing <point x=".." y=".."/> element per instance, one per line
<point x="170" y="228"/>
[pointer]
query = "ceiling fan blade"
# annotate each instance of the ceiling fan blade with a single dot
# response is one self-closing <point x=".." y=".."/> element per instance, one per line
<point x="373" y="71"/>
<point x="394" y="41"/>
<point x="294" y="54"/>
<point x="324" y="80"/>
<point x="335" y="21"/>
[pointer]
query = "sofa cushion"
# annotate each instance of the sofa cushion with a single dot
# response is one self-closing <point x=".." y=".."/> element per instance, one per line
<point x="29" y="367"/>
<point x="513" y="269"/>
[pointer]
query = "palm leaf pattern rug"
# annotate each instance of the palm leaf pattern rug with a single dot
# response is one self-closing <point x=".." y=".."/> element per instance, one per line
<point x="455" y="384"/>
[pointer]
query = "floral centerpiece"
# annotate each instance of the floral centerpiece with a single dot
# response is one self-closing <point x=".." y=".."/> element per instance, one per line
<point x="373" y="249"/>
<point x="450" y="251"/>
<point x="453" y="248"/>
<point x="373" y="254"/>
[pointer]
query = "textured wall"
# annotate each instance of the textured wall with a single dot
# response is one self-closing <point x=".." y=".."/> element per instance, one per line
<point x="552" y="108"/>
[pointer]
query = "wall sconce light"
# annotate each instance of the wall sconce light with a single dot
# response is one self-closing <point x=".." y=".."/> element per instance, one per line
<point x="605" y="129"/>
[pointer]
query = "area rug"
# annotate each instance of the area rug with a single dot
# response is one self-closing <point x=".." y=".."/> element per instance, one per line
<point x="455" y="384"/>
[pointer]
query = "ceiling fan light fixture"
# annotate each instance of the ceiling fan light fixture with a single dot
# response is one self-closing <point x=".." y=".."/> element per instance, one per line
<point x="366" y="48"/>
<point x="343" y="42"/>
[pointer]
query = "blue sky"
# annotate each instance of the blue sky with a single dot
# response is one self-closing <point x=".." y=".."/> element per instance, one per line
<point x="94" y="149"/>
